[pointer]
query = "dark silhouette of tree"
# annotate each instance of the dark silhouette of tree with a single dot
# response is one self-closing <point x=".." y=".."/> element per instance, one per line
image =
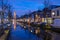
<point x="6" y="10"/>
<point x="9" y="13"/>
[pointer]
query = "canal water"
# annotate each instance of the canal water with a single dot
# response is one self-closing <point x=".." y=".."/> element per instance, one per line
<point x="21" y="34"/>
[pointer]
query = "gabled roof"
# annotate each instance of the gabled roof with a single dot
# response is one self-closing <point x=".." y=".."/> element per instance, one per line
<point x="53" y="6"/>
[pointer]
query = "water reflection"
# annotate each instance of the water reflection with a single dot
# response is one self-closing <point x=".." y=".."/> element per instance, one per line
<point x="21" y="34"/>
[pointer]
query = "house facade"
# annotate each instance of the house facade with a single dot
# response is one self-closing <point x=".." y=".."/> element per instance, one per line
<point x="55" y="13"/>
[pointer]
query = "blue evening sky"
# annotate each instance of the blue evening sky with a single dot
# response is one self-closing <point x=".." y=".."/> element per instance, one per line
<point x="24" y="6"/>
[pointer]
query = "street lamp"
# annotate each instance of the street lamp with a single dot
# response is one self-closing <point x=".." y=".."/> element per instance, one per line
<point x="53" y="13"/>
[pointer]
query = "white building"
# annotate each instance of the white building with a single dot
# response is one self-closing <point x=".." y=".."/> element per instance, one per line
<point x="56" y="13"/>
<point x="56" y="17"/>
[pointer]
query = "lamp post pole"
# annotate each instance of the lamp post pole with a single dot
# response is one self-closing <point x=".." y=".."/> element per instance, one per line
<point x="53" y="15"/>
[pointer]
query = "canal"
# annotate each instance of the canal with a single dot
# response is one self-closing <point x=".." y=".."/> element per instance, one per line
<point x="21" y="34"/>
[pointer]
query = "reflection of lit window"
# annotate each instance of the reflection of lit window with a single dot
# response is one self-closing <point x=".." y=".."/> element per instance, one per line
<point x="49" y="20"/>
<point x="45" y="20"/>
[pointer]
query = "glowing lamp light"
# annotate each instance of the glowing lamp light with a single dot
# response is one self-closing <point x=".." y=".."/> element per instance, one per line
<point x="24" y="26"/>
<point x="28" y="20"/>
<point x="36" y="15"/>
<point x="31" y="31"/>
<point x="53" y="13"/>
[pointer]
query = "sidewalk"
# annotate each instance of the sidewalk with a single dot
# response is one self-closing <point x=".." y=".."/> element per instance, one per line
<point x="4" y="36"/>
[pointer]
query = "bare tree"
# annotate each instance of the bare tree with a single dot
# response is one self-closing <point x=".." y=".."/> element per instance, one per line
<point x="6" y="9"/>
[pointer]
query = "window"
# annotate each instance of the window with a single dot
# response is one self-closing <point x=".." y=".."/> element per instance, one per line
<point x="57" y="12"/>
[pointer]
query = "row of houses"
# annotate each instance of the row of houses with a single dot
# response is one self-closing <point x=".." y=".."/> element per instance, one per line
<point x="47" y="15"/>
